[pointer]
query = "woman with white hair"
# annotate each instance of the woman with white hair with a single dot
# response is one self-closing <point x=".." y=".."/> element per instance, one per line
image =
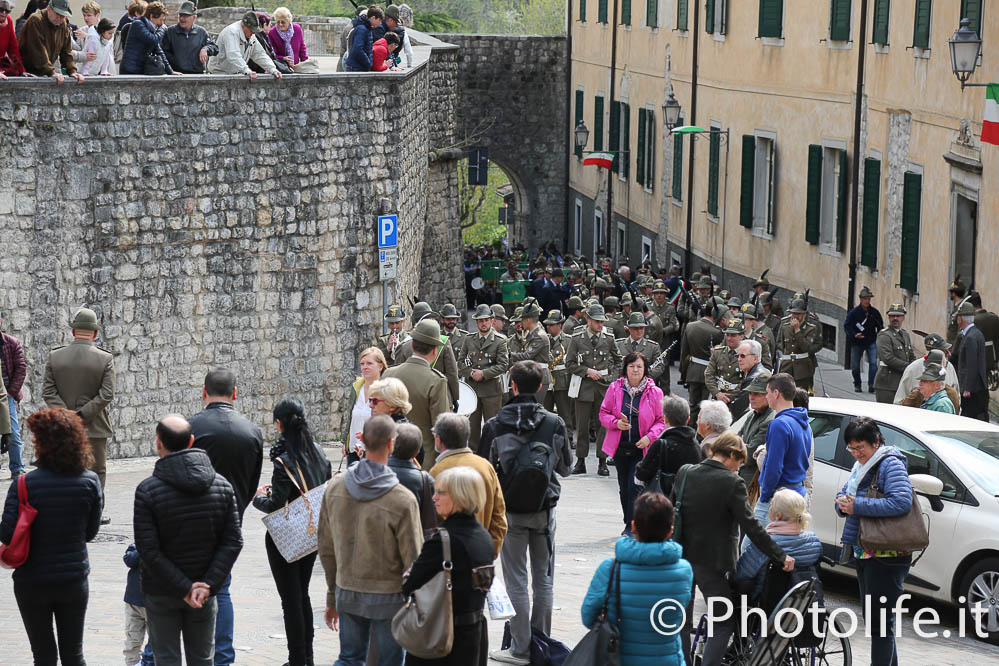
<point x="288" y="42"/>
<point x="713" y="419"/>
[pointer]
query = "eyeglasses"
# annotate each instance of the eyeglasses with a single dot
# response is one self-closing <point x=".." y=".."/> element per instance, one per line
<point x="745" y="355"/>
<point x="374" y="401"/>
<point x="4" y="10"/>
<point x="856" y="449"/>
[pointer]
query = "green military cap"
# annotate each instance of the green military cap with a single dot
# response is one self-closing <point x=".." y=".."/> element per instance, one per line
<point x="766" y="299"/>
<point x="627" y="298"/>
<point x="798" y="306"/>
<point x="636" y="320"/>
<point x="866" y="293"/>
<point x="965" y="310"/>
<point x="932" y="372"/>
<point x="575" y="273"/>
<point x="85" y="320"/>
<point x="934" y="356"/>
<point x="640" y="304"/>
<point x="421" y="310"/>
<point x="734" y="302"/>
<point x="592" y="300"/>
<point x="532" y="310"/>
<point x="718" y="300"/>
<point x="659" y="287"/>
<point x="748" y="311"/>
<point x="600" y="283"/>
<point x="499" y="312"/>
<point x="482" y="311"/>
<point x="449" y="310"/>
<point x="934" y="341"/>
<point x="428" y="332"/>
<point x="735" y="327"/>
<point x="695" y="278"/>
<point x="517" y="314"/>
<point x="958" y="287"/>
<point x="896" y="309"/>
<point x="574" y="303"/>
<point x="611" y="302"/>
<point x="724" y="294"/>
<point x="394" y="314"/>
<point x="758" y="384"/>
<point x="703" y="283"/>
<point x="762" y="282"/>
<point x="596" y="312"/>
<point x="554" y="317"/>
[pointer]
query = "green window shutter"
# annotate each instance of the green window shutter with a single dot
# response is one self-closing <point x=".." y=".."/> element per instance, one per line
<point x="678" y="164"/>
<point x="640" y="162"/>
<point x="625" y="12"/>
<point x="882" y="10"/>
<point x="972" y="10"/>
<point x="601" y="11"/>
<point x="650" y="149"/>
<point x="813" y="201"/>
<point x="714" y="163"/>
<point x="579" y="119"/>
<point x="598" y="124"/>
<point x="839" y="20"/>
<point x="921" y="29"/>
<point x="652" y="13"/>
<point x="912" y="192"/>
<point x="872" y="198"/>
<point x="582" y="10"/>
<point x="626" y="155"/>
<point x="771" y="18"/>
<point x="681" y="14"/>
<point x="613" y="143"/>
<point x="841" y="204"/>
<point x="748" y="180"/>
<point x="709" y="16"/>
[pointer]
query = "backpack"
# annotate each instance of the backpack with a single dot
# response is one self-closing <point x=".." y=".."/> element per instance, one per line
<point x="525" y="464"/>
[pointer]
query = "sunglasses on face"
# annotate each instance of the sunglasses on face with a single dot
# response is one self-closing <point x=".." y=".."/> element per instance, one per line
<point x="374" y="401"/>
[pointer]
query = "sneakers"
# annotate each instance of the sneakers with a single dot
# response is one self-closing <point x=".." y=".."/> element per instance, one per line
<point x="105" y="520"/>
<point x="857" y="389"/>
<point x="506" y="657"/>
<point x="580" y="467"/>
<point x="602" y="469"/>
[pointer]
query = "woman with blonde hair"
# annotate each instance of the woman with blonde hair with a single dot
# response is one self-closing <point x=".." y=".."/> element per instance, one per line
<point x="372" y="364"/>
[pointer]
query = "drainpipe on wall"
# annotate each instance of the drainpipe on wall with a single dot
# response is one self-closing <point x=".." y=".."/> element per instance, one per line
<point x="610" y="172"/>
<point x="688" y="256"/>
<point x="855" y="185"/>
<point x="571" y="141"/>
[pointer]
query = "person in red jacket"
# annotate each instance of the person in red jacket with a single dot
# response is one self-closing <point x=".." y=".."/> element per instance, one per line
<point x="381" y="51"/>
<point x="10" y="54"/>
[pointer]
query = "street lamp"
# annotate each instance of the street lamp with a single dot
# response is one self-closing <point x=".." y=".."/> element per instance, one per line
<point x="582" y="134"/>
<point x="965" y="47"/>
<point x="671" y="112"/>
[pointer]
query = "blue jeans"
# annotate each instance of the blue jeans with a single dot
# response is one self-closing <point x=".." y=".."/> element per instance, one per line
<point x="147" y="655"/>
<point x="882" y="578"/>
<point x="856" y="354"/>
<point x="15" y="438"/>
<point x="224" y="654"/>
<point x="354" y="634"/>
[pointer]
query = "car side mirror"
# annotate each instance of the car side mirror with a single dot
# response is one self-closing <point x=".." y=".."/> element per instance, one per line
<point x="930" y="487"/>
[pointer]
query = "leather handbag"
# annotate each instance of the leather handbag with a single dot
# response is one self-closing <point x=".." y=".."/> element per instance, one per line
<point x="601" y="646"/>
<point x="905" y="533"/>
<point x="424" y="626"/>
<point x="15" y="553"/>
<point x="293" y="528"/>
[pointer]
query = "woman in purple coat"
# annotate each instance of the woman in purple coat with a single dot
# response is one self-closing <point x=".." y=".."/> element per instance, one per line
<point x="287" y="38"/>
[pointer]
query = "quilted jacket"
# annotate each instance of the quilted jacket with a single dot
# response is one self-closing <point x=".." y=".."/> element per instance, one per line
<point x="893" y="480"/>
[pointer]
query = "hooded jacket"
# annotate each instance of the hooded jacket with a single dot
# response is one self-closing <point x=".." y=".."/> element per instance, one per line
<point x="359" y="54"/>
<point x="650" y="414"/>
<point x="142" y="46"/>
<point x="789" y="442"/>
<point x="186" y="525"/>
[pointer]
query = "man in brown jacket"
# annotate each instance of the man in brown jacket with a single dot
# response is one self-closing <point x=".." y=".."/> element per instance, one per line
<point x="45" y="40"/>
<point x="369" y="534"/>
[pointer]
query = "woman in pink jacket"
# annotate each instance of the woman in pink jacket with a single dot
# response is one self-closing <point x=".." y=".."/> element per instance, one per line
<point x="633" y="417"/>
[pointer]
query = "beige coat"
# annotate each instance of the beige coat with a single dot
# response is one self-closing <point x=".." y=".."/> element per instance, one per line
<point x="493" y="514"/>
<point x="80" y="377"/>
<point x="428" y="395"/>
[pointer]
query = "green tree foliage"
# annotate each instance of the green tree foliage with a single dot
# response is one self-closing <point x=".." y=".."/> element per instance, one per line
<point x="479" y="207"/>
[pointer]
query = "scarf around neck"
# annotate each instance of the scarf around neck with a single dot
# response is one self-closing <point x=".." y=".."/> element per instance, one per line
<point x="783" y="527"/>
<point x="286" y="36"/>
<point x="635" y="390"/>
<point x="860" y="471"/>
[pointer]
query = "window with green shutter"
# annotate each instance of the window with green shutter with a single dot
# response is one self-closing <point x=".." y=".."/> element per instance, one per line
<point x="912" y="194"/>
<point x="714" y="166"/>
<point x="625" y="12"/>
<point x="872" y="204"/>
<point x="652" y="13"/>
<point x="579" y="118"/>
<point x="598" y="124"/>
<point x="678" y="164"/>
<point x="681" y="14"/>
<point x="972" y="10"/>
<point x="620" y="137"/>
<point x="921" y="27"/>
<point x="839" y="20"/>
<point x="625" y="160"/>
<point x="601" y="11"/>
<point x="882" y="11"/>
<point x="709" y="16"/>
<point x="813" y="200"/>
<point x="647" y="148"/>
<point x="640" y="161"/>
<point x="841" y="198"/>
<point x="582" y="10"/>
<point x="771" y="19"/>
<point x="748" y="183"/>
<point x="613" y="137"/>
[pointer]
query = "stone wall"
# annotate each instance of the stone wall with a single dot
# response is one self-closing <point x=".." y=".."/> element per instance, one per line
<point x="213" y="221"/>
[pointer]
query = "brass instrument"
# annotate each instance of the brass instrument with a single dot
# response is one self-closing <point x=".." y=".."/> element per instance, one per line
<point x="558" y="359"/>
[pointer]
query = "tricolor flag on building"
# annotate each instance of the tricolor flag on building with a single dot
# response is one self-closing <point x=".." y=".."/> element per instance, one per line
<point x="603" y="160"/>
<point x="990" y="126"/>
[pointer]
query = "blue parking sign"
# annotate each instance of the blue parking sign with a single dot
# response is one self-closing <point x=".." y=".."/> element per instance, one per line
<point x="388" y="231"/>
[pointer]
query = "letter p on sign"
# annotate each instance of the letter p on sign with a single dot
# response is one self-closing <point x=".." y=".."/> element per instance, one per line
<point x="388" y="231"/>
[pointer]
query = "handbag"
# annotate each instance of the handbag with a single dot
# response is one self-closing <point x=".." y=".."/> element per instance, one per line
<point x="424" y="626"/>
<point x="660" y="479"/>
<point x="428" y="513"/>
<point x="601" y="646"/>
<point x="904" y="533"/>
<point x="293" y="528"/>
<point x="15" y="553"/>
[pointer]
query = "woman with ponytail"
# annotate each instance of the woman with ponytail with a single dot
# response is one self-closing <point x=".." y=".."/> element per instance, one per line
<point x="295" y="454"/>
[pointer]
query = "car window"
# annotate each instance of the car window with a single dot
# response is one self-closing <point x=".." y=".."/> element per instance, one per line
<point x="923" y="461"/>
<point x="826" y="430"/>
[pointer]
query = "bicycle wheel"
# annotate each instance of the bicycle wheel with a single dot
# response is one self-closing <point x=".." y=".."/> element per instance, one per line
<point x="831" y="650"/>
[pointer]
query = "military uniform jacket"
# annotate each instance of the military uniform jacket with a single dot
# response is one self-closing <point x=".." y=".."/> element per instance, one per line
<point x="489" y="354"/>
<point x="754" y="434"/>
<point x="667" y="315"/>
<point x="722" y="374"/>
<point x="80" y="377"/>
<point x="382" y="342"/>
<point x="445" y="363"/>
<point x="768" y="342"/>
<point x="557" y="366"/>
<point x="456" y="338"/>
<point x="597" y="351"/>
<point x="535" y="346"/>
<point x="988" y="323"/>
<point x="798" y="349"/>
<point x="646" y="347"/>
<point x="615" y="324"/>
<point x="773" y="322"/>
<point x="695" y="349"/>
<point x="571" y="324"/>
<point x="895" y="353"/>
<point x="427" y="393"/>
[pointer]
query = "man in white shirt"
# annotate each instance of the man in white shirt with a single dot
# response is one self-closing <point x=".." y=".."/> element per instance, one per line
<point x="237" y="46"/>
<point x="910" y="378"/>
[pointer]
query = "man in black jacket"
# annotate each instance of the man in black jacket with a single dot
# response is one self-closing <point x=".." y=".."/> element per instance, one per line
<point x="187" y="532"/>
<point x="236" y="448"/>
<point x="971" y="365"/>
<point x="187" y="46"/>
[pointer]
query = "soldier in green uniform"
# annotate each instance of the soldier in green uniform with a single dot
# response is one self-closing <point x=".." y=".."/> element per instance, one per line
<point x="688" y="311"/>
<point x="532" y="344"/>
<point x="757" y="330"/>
<point x="574" y="306"/>
<point x="722" y="375"/>
<point x="798" y="340"/>
<point x="446" y="361"/>
<point x="765" y="312"/>
<point x="958" y="294"/>
<point x="499" y="318"/>
<point x="698" y="338"/>
<point x="988" y="323"/>
<point x="449" y="327"/>
<point x="665" y="311"/>
<point x="637" y="342"/>
<point x="653" y="324"/>
<point x="484" y="358"/>
<point x="428" y="393"/>
<point x="895" y="353"/>
<point x="754" y="428"/>
<point x="557" y="397"/>
<point x="594" y="358"/>
<point x="614" y="323"/>
<point x="388" y="343"/>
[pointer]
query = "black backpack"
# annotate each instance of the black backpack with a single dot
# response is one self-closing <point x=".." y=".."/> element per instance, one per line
<point x="525" y="464"/>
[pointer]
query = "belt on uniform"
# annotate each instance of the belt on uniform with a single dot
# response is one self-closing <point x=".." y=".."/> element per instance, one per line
<point x="988" y="343"/>
<point x="694" y="359"/>
<point x="559" y="367"/>
<point x="797" y="357"/>
<point x="464" y="619"/>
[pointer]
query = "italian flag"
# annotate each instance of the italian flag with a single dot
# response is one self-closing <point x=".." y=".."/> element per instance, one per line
<point x="990" y="126"/>
<point x="605" y="160"/>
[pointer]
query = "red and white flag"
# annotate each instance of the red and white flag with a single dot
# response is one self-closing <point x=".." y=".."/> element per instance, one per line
<point x="602" y="160"/>
<point x="990" y="126"/>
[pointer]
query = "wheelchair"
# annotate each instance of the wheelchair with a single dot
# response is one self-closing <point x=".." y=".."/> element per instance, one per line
<point x="766" y="646"/>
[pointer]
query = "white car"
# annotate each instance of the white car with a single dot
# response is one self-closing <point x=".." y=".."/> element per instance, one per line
<point x="962" y="559"/>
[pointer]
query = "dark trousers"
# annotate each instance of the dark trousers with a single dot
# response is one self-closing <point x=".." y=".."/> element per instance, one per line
<point x="857" y="355"/>
<point x="627" y="489"/>
<point x="881" y="578"/>
<point x="292" y="581"/>
<point x="976" y="405"/>
<point x="168" y="618"/>
<point x="697" y="391"/>
<point x="67" y="603"/>
<point x="713" y="584"/>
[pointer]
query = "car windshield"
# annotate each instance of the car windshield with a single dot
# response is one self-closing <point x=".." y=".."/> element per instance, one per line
<point x="975" y="452"/>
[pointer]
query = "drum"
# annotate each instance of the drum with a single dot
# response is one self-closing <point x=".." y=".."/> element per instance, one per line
<point x="467" y="399"/>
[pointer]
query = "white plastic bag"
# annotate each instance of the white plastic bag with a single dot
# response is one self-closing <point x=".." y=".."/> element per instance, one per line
<point x="500" y="606"/>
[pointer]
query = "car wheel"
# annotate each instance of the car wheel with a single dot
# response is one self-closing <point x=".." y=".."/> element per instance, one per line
<point x="980" y="587"/>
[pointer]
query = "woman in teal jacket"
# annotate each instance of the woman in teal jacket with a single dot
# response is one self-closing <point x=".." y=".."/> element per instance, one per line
<point x="653" y="576"/>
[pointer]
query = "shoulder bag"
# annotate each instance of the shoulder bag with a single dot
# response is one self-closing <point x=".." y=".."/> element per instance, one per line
<point x="601" y="646"/>
<point x="905" y="533"/>
<point x="681" y="475"/>
<point x="424" y="626"/>
<point x="16" y="553"/>
<point x="293" y="528"/>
